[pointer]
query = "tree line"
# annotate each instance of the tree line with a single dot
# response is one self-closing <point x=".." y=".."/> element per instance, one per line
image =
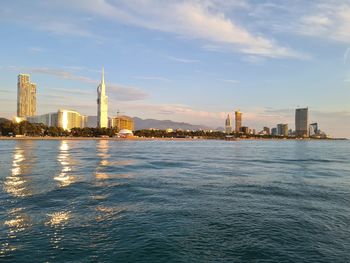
<point x="25" y="128"/>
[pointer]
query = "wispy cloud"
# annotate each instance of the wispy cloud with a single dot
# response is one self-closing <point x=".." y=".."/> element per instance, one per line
<point x="203" y="20"/>
<point x="182" y="60"/>
<point x="36" y="49"/>
<point x="331" y="21"/>
<point x="152" y="78"/>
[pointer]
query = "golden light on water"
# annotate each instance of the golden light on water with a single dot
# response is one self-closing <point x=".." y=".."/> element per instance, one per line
<point x="65" y="160"/>
<point x="105" y="213"/>
<point x="58" y="218"/>
<point x="16" y="183"/>
<point x="103" y="176"/>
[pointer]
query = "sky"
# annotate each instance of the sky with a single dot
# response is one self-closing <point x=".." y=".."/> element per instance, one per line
<point x="193" y="61"/>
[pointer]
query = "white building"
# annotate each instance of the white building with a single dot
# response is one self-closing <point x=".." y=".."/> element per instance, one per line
<point x="66" y="119"/>
<point x="102" y="104"/>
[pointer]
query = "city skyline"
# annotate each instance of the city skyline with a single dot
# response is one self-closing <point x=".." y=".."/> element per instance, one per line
<point x="156" y="70"/>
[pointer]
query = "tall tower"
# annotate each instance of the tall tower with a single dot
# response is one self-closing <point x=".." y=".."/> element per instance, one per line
<point x="238" y="120"/>
<point x="302" y="122"/>
<point x="26" y="96"/>
<point x="228" y="125"/>
<point x="102" y="104"/>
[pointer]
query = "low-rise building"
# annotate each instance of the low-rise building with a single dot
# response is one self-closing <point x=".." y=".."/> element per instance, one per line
<point x="123" y="122"/>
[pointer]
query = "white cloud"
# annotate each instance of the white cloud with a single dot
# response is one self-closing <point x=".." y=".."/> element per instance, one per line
<point x="327" y="20"/>
<point x="203" y="20"/>
<point x="156" y="78"/>
<point x="182" y="60"/>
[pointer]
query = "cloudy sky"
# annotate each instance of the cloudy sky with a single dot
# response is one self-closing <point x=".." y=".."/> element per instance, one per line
<point x="193" y="60"/>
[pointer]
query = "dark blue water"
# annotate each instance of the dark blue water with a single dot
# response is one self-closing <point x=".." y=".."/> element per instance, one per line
<point x="200" y="201"/>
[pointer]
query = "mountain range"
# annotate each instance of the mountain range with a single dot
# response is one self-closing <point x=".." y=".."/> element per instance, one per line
<point x="141" y="124"/>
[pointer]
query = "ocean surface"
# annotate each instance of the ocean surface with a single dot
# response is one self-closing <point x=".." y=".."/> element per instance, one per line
<point x="172" y="201"/>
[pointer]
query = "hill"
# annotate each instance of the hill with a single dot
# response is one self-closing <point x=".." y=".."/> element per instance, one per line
<point x="141" y="124"/>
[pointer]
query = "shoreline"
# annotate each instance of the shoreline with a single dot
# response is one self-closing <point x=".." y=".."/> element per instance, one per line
<point x="5" y="138"/>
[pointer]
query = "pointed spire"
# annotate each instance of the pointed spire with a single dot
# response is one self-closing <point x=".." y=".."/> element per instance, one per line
<point x="103" y="76"/>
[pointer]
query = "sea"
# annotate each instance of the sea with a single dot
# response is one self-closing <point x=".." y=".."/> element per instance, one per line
<point x="174" y="201"/>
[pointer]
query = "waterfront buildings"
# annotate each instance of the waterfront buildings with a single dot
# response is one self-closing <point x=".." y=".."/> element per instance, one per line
<point x="26" y="96"/>
<point x="274" y="131"/>
<point x="102" y="104"/>
<point x="65" y="119"/>
<point x="48" y="119"/>
<point x="238" y="121"/>
<point x="302" y="122"/>
<point x="313" y="129"/>
<point x="68" y="119"/>
<point x="266" y="130"/>
<point x="123" y="123"/>
<point x="244" y="130"/>
<point x="228" y="124"/>
<point x="282" y="129"/>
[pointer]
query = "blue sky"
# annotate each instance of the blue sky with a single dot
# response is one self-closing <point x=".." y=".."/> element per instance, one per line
<point x="192" y="61"/>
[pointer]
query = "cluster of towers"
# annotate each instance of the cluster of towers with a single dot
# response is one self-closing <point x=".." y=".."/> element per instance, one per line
<point x="26" y="106"/>
<point x="238" y="122"/>
<point x="302" y="126"/>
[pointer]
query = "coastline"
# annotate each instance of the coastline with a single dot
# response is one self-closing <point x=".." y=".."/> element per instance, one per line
<point x="48" y="138"/>
<point x="3" y="138"/>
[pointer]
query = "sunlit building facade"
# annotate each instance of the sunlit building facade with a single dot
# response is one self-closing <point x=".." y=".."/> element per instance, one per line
<point x="102" y="104"/>
<point x="238" y="121"/>
<point x="68" y="119"/>
<point x="302" y="122"/>
<point x="26" y="96"/>
<point x="123" y="123"/>
<point x="282" y="129"/>
<point x="65" y="119"/>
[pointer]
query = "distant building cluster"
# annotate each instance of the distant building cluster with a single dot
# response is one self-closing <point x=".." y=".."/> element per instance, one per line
<point x="68" y="119"/>
<point x="302" y="127"/>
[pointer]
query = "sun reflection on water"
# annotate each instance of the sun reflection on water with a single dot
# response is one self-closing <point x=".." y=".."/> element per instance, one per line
<point x="64" y="178"/>
<point x="57" y="221"/>
<point x="16" y="183"/>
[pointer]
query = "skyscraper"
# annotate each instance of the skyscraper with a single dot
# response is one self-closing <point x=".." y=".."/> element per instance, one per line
<point x="302" y="122"/>
<point x="26" y="96"/>
<point x="238" y="121"/>
<point x="102" y="104"/>
<point x="282" y="129"/>
<point x="228" y="124"/>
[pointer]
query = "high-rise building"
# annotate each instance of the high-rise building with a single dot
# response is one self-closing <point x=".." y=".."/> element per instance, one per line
<point x="244" y="130"/>
<point x="274" y="131"/>
<point x="102" y="104"/>
<point x="302" y="122"/>
<point x="282" y="129"/>
<point x="266" y="130"/>
<point x="238" y="121"/>
<point x="228" y="124"/>
<point x="123" y="123"/>
<point x="26" y="96"/>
